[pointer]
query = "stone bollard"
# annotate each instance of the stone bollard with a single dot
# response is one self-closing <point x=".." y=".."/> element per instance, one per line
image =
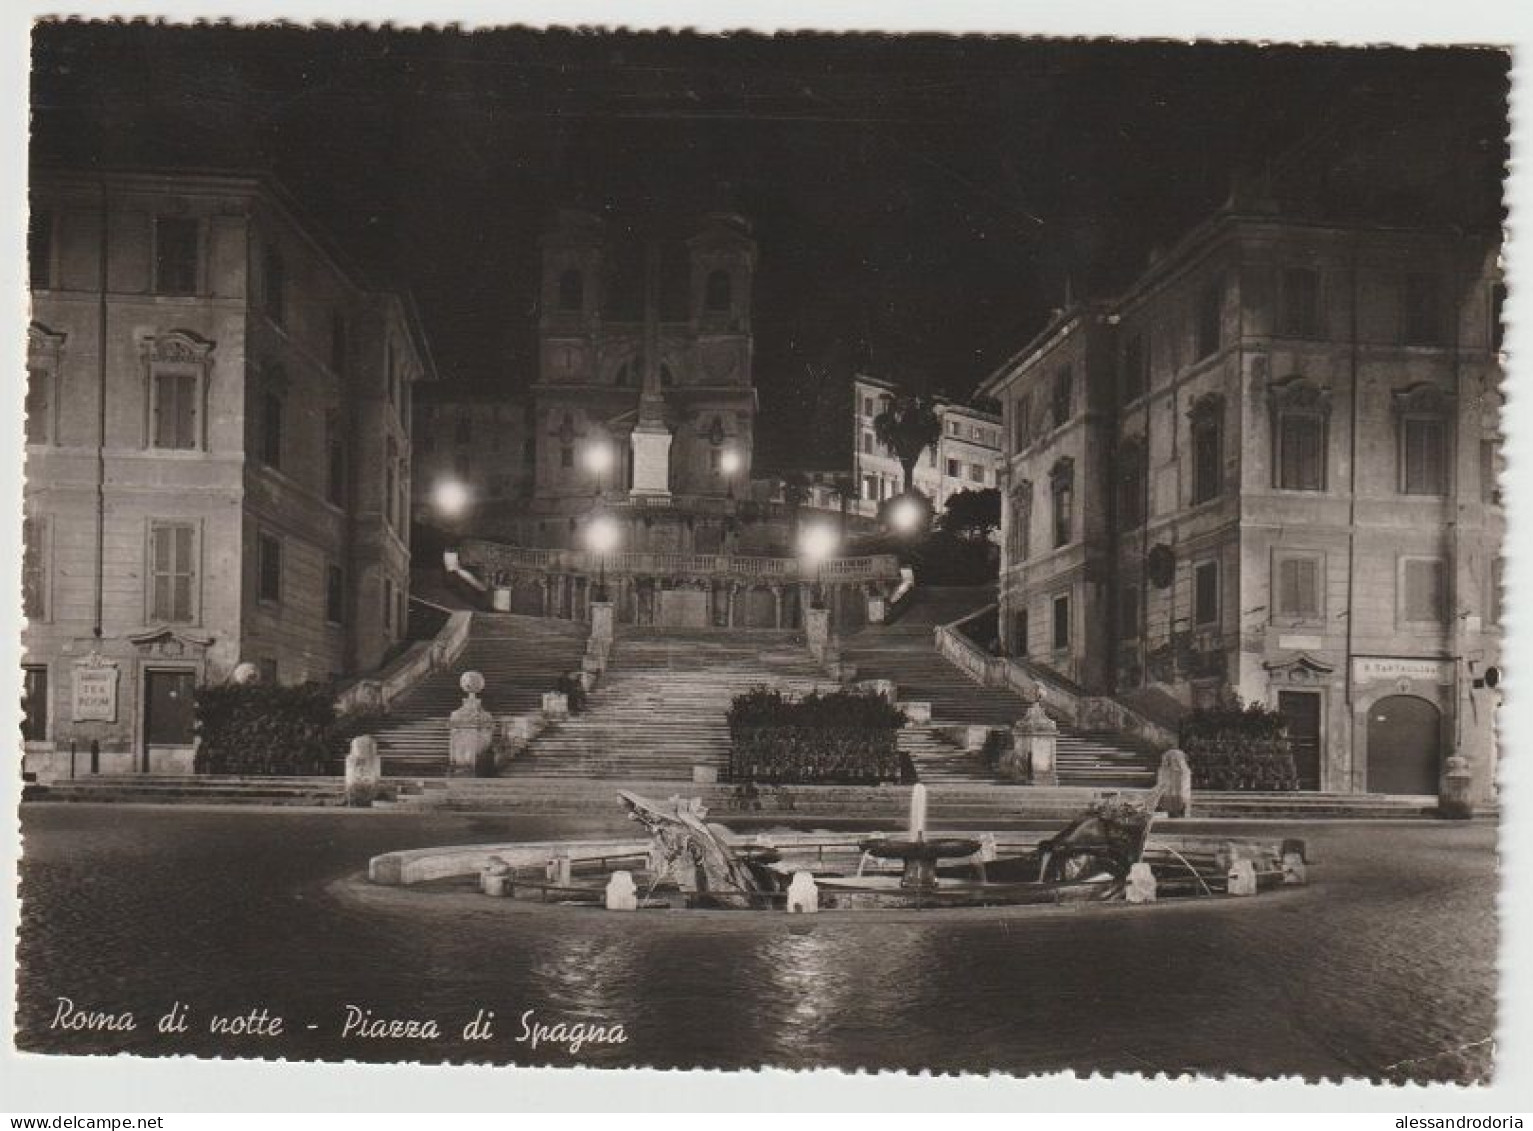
<point x="470" y="728"/>
<point x="1141" y="884"/>
<point x="621" y="894"/>
<point x="1455" y="801"/>
<point x="556" y="705"/>
<point x="559" y="871"/>
<point x="705" y="775"/>
<point x="493" y="877"/>
<point x="877" y="609"/>
<point x="975" y="737"/>
<point x="1295" y="871"/>
<point x="1034" y="740"/>
<point x="803" y="895"/>
<point x="364" y="771"/>
<point x="987" y="851"/>
<point x="500" y="600"/>
<point x="919" y="713"/>
<point x="1242" y="878"/>
<point x="1175" y="781"/>
<point x="601" y="620"/>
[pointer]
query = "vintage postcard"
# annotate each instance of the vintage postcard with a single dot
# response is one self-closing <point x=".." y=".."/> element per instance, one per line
<point x="823" y="550"/>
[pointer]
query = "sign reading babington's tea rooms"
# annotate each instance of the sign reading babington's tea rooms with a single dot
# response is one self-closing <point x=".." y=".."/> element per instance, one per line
<point x="95" y="691"/>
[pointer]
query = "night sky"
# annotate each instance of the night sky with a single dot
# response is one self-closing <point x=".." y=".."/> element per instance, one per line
<point x="921" y="203"/>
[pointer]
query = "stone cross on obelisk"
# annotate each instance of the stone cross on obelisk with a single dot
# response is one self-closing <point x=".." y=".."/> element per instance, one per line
<point x="651" y="437"/>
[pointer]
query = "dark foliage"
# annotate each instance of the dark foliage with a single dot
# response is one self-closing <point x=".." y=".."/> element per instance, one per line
<point x="1239" y="748"/>
<point x="841" y="737"/>
<point x="270" y="730"/>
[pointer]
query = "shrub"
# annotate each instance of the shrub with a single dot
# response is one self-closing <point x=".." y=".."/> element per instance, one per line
<point x="1238" y="748"/>
<point x="261" y="730"/>
<point x="842" y="737"/>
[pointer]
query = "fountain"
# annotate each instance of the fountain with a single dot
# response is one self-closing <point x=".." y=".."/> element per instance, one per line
<point x="919" y="854"/>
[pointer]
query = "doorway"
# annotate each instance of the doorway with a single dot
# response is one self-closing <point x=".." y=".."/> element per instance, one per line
<point x="1301" y="711"/>
<point x="1404" y="745"/>
<point x="168" y="711"/>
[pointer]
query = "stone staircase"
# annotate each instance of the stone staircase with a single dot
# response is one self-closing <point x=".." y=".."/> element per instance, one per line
<point x="660" y="708"/>
<point x="906" y="653"/>
<point x="208" y="789"/>
<point x="520" y="658"/>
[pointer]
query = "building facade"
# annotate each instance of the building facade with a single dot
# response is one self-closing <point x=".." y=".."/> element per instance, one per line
<point x="218" y="460"/>
<point x="966" y="456"/>
<point x="1269" y="470"/>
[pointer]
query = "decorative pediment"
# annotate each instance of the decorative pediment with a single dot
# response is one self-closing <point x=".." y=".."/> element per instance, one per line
<point x="1299" y="392"/>
<point x="1299" y="668"/>
<point x="1424" y="397"/>
<point x="177" y="347"/>
<point x="1207" y="407"/>
<point x="43" y="342"/>
<point x="170" y="643"/>
<point x="1022" y="493"/>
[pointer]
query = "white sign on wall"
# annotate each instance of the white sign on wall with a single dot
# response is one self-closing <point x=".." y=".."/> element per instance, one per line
<point x="1375" y="669"/>
<point x="95" y="691"/>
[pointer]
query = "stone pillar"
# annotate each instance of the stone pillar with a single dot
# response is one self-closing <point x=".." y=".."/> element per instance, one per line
<point x="1034" y="740"/>
<point x="471" y="728"/>
<point x="777" y="606"/>
<point x="621" y="893"/>
<point x="556" y="705"/>
<point x="1455" y="796"/>
<point x="877" y="608"/>
<point x="364" y="770"/>
<point x="1141" y="884"/>
<point x="803" y="895"/>
<point x="1175" y="781"/>
<point x="817" y="629"/>
<point x="729" y="614"/>
<point x="1242" y="878"/>
<point x="493" y="877"/>
<point x="543" y="592"/>
<point x="601" y="620"/>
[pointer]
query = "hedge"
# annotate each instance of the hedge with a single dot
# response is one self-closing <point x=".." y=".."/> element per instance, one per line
<point x="255" y="729"/>
<point x="841" y="738"/>
<point x="1239" y="748"/>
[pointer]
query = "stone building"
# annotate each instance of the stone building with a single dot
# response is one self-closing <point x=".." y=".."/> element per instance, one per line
<point x="473" y="451"/>
<point x="218" y="460"/>
<point x="966" y="456"/>
<point x="1269" y="469"/>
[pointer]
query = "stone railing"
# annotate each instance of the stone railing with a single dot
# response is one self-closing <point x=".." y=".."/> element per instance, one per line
<point x="1082" y="711"/>
<point x="378" y="692"/>
<point x="490" y="557"/>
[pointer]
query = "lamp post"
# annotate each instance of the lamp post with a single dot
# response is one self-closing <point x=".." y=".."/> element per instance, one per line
<point x="817" y="542"/>
<point x="601" y="537"/>
<point x="599" y="459"/>
<point x="729" y="463"/>
<point x="450" y="497"/>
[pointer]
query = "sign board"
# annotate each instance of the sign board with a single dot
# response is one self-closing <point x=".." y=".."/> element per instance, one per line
<point x="95" y="691"/>
<point x="1374" y="669"/>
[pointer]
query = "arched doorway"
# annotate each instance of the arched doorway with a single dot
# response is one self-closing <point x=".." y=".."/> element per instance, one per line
<point x="1404" y="745"/>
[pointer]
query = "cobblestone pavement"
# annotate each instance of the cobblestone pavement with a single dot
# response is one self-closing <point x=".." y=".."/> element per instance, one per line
<point x="1383" y="967"/>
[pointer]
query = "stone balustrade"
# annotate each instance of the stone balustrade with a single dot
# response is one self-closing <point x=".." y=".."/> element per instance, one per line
<point x="491" y="557"/>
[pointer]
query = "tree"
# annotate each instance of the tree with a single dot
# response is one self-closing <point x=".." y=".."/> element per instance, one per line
<point x="972" y="515"/>
<point x="907" y="427"/>
<point x="844" y="484"/>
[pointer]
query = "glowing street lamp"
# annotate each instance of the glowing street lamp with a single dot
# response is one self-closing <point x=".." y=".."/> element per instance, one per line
<point x="729" y="463"/>
<point x="602" y="537"/>
<point x="817" y="542"/>
<point x="907" y="514"/>
<point x="599" y="459"/>
<point x="451" y="498"/>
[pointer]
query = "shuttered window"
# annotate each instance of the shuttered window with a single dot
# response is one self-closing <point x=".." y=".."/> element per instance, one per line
<point x="1423" y="463"/>
<point x="172" y="572"/>
<point x="175" y="410"/>
<point x="1301" y="451"/>
<point x="1298" y="587"/>
<point x="1423" y="583"/>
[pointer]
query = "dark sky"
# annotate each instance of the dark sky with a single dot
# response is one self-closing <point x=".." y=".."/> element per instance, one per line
<point x="920" y="202"/>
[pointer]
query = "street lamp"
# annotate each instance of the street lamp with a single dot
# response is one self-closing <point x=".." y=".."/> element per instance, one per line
<point x="450" y="497"/>
<point x="601" y="537"/>
<point x="906" y="514"/>
<point x="816" y="542"/>
<point x="729" y="463"/>
<point x="599" y="459"/>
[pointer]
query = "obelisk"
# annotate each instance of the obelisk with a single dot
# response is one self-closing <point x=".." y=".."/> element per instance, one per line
<point x="651" y="438"/>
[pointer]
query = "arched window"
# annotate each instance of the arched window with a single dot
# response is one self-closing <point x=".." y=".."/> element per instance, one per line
<point x="718" y="292"/>
<point x="572" y="290"/>
<point x="1299" y="415"/>
<point x="1207" y="417"/>
<point x="1062" y="483"/>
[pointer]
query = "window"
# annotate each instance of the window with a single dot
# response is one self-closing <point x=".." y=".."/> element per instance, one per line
<point x="271" y="431"/>
<point x="390" y="473"/>
<point x="1421" y="319"/>
<point x="867" y="406"/>
<point x="34" y="703"/>
<point x="1207" y="450"/>
<point x="274" y="287"/>
<point x="567" y="456"/>
<point x="977" y="473"/>
<point x="1062" y="623"/>
<point x="1301" y="450"/>
<point x="1210" y="317"/>
<point x="1131" y="482"/>
<point x="1062" y="480"/>
<point x="175" y="256"/>
<point x="40" y="249"/>
<point x="1424" y="458"/>
<point x="39" y="405"/>
<point x="1205" y="608"/>
<point x="34" y="568"/>
<point x="952" y="469"/>
<point x="1021" y="534"/>
<point x="1020" y="423"/>
<point x="572" y="290"/>
<point x="388" y="604"/>
<point x="1128" y="613"/>
<point x="1020" y="632"/>
<point x="1064" y="395"/>
<point x="870" y="487"/>
<point x="1135" y="378"/>
<point x="1422" y="597"/>
<point x="1299" y="314"/>
<point x="335" y="595"/>
<point x="172" y="573"/>
<point x="1490" y="467"/>
<point x="175" y="410"/>
<point x="717" y="295"/>
<point x="268" y="568"/>
<point x="339" y="343"/>
<point x="867" y="443"/>
<point x="954" y="428"/>
<point x="1298" y="588"/>
<point x="335" y="453"/>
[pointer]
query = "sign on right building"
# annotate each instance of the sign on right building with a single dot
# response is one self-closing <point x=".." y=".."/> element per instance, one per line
<point x="1269" y="470"/>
